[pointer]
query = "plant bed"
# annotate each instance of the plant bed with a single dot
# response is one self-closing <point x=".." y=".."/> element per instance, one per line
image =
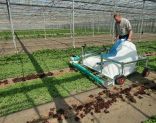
<point x="24" y="95"/>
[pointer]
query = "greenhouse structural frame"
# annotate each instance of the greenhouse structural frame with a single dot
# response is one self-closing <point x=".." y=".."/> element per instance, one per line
<point x="72" y="15"/>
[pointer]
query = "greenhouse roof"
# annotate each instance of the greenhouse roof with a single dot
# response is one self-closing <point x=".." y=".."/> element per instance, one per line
<point x="60" y="11"/>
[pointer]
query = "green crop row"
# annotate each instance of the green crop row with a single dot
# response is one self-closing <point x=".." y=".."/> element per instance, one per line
<point x="40" y="33"/>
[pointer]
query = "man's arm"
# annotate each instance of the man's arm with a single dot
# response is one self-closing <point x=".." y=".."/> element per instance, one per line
<point x="130" y="35"/>
<point x="116" y="33"/>
<point x="129" y="27"/>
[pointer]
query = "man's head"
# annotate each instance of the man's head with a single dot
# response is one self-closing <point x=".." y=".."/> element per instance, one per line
<point x="117" y="17"/>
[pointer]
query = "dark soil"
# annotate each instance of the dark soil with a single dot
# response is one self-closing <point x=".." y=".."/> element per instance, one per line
<point x="31" y="77"/>
<point x="34" y="76"/>
<point x="5" y="82"/>
<point x="91" y="96"/>
<point x="77" y="118"/>
<point x="150" y="54"/>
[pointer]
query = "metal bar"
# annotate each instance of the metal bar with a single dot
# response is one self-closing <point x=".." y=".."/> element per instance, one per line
<point x="106" y="4"/>
<point x="101" y="65"/>
<point x="138" y="27"/>
<point x="88" y="54"/>
<point x="122" y="68"/>
<point x="11" y="24"/>
<point x="82" y="54"/>
<point x="93" y="25"/>
<point x="111" y="60"/>
<point x="91" y="3"/>
<point x="113" y="26"/>
<point x="73" y="21"/>
<point x="142" y="20"/>
<point x="98" y="25"/>
<point x="146" y="63"/>
<point x="44" y="23"/>
<point x="136" y="61"/>
<point x="123" y="63"/>
<point x="76" y="8"/>
<point x="71" y="32"/>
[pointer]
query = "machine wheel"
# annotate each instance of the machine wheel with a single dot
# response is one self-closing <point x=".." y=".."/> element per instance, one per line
<point x="145" y="72"/>
<point x="120" y="79"/>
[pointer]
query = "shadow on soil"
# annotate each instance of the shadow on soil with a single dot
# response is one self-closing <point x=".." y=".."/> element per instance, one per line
<point x="139" y="79"/>
<point x="59" y="102"/>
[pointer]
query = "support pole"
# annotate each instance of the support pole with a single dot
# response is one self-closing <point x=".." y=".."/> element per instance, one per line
<point x="86" y="27"/>
<point x="45" y="34"/>
<point x="71" y="32"/>
<point x="93" y="25"/>
<point x="138" y="28"/>
<point x="142" y="21"/>
<point x="11" y="24"/>
<point x="113" y="25"/>
<point x="73" y="21"/>
<point x="44" y="21"/>
<point x="98" y="25"/>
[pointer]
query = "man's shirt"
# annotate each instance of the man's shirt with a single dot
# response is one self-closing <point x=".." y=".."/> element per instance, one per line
<point x="123" y="27"/>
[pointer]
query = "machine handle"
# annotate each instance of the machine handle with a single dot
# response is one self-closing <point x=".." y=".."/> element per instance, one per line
<point x="85" y="45"/>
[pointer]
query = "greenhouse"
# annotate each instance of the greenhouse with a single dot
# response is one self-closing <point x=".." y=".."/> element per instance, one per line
<point x="67" y="61"/>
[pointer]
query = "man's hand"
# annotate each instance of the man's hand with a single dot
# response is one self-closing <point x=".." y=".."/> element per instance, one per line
<point x="116" y="38"/>
<point x="129" y="39"/>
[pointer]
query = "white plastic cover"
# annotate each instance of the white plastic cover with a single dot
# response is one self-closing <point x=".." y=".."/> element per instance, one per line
<point x="126" y="52"/>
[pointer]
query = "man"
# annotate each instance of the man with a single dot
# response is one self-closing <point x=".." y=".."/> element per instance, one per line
<point x="123" y="28"/>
